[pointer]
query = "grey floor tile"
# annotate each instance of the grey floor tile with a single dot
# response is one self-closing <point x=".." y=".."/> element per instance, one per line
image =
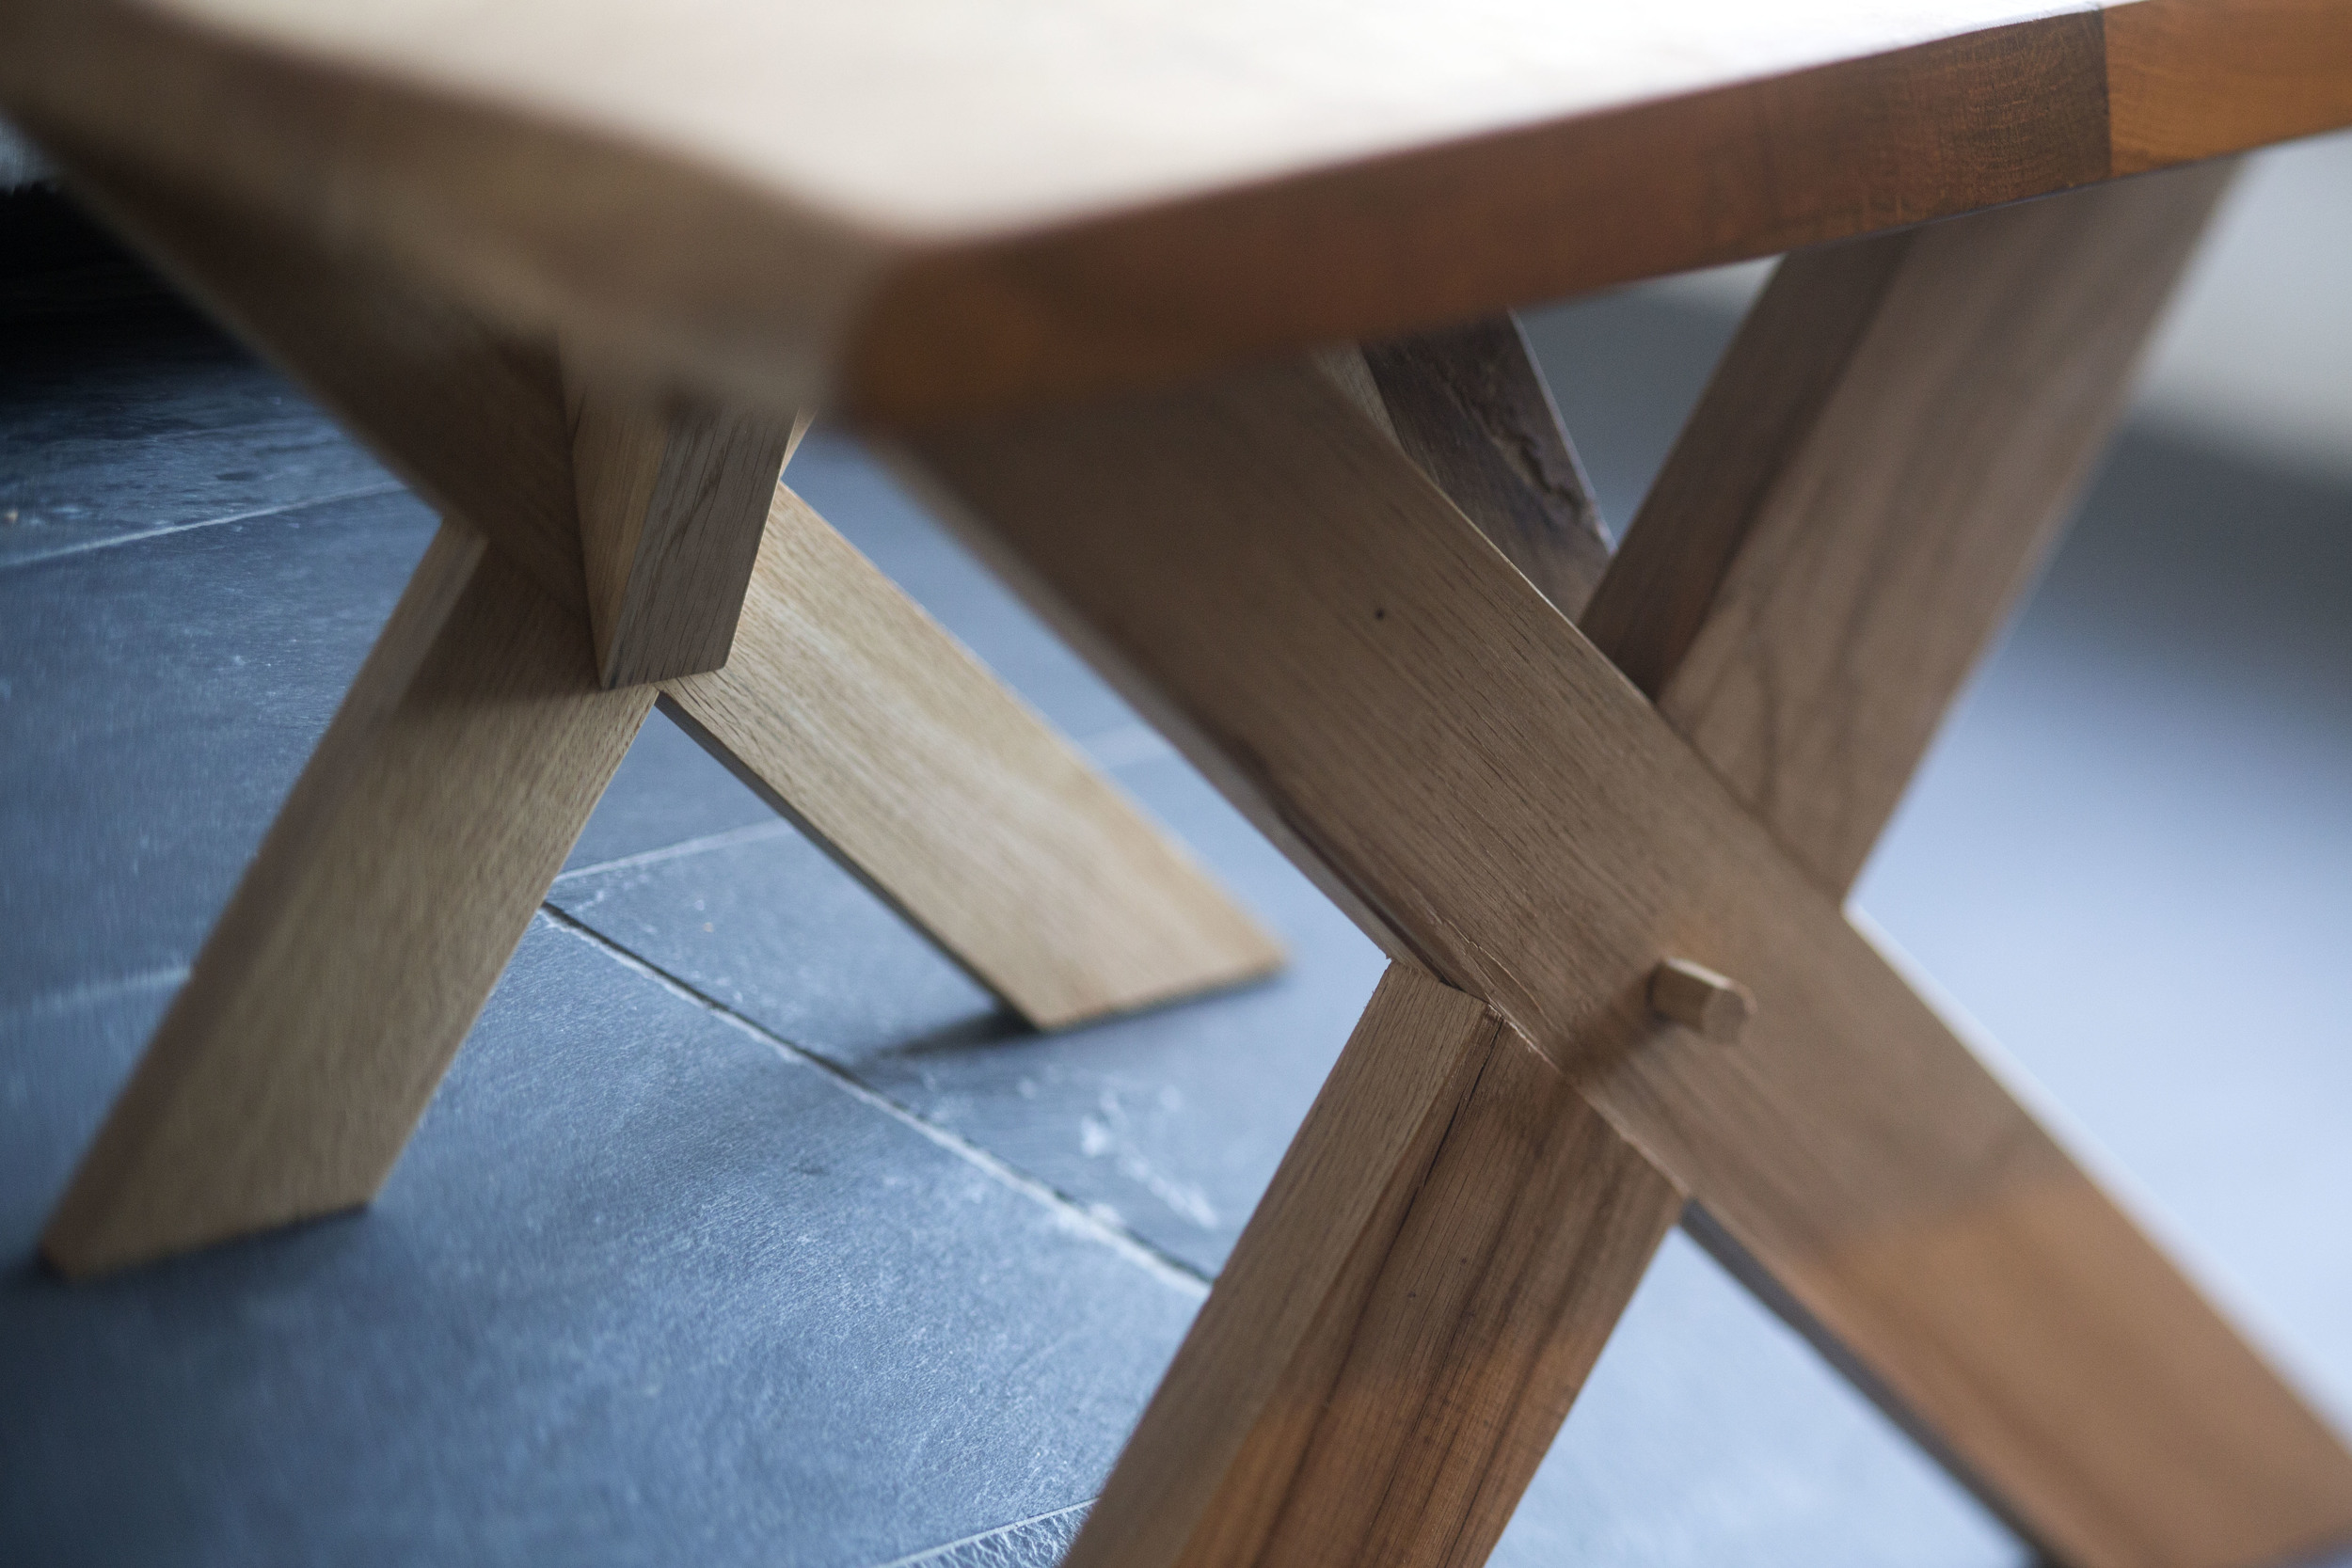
<point x="130" y="378"/>
<point x="667" y="792"/>
<point x="2130" y="857"/>
<point x="62" y="1057"/>
<point x="73" y="494"/>
<point x="1709" y="1433"/>
<point x="1170" y="1122"/>
<point x="766" y="924"/>
<point x="644" y="1290"/>
<point x="117" y="424"/>
<point x="156" y="703"/>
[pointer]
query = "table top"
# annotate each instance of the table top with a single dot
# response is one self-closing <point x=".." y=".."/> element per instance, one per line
<point x="921" y="209"/>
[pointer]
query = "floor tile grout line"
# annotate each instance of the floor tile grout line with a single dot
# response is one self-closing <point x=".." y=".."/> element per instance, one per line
<point x="755" y="832"/>
<point x="932" y="1554"/>
<point x="66" y="552"/>
<point x="1067" y="1211"/>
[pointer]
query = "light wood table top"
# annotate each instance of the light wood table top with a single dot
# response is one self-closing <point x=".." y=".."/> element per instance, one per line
<point x="921" y="208"/>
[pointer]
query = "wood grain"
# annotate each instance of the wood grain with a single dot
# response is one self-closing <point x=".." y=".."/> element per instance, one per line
<point x="396" y="870"/>
<point x="2188" y="79"/>
<point x="923" y="211"/>
<point x="1114" y="914"/>
<point x="851" y="712"/>
<point x="1469" y="406"/>
<point x="1874" y="474"/>
<point x="295" y="1063"/>
<point x="1261" y="566"/>
<point x="1444" y="233"/>
<point x="672" y="496"/>
<point x="1408" y="1316"/>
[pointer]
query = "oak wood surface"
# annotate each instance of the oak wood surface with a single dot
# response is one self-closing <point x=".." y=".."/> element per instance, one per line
<point x="2189" y="79"/>
<point x="672" y="495"/>
<point x="924" y="210"/>
<point x="1872" y="476"/>
<point x="1987" y="1282"/>
<point x="1468" y="406"/>
<point x="1108" y="907"/>
<point x="1259" y="563"/>
<point x="849" y="709"/>
<point x="294" y="1064"/>
<point x="1407" y="1319"/>
<point x="478" y="422"/>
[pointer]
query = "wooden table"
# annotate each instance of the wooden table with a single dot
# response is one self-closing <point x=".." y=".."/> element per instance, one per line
<point x="1080" y="269"/>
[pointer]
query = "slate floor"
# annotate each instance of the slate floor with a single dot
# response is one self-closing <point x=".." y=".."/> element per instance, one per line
<point x="745" y="1230"/>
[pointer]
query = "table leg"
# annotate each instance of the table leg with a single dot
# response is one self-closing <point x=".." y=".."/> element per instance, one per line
<point x="1401" y="1328"/>
<point x="853" y="713"/>
<point x="1874" y="474"/>
<point x="361" y="944"/>
<point x="1261" y="564"/>
<point x="1115" y="916"/>
<point x="950" y="794"/>
<point x="1878" y="467"/>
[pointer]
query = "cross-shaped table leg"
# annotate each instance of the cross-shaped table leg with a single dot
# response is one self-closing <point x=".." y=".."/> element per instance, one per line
<point x="1267" y="571"/>
<point x="602" y="540"/>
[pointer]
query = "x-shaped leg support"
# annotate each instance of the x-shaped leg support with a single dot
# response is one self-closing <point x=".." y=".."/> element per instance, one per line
<point x="604" y="549"/>
<point x="1529" y="834"/>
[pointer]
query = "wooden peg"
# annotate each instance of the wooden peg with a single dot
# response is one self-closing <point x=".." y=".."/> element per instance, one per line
<point x="1700" y="999"/>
